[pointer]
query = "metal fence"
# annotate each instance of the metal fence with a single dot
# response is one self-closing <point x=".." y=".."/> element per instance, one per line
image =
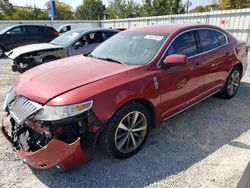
<point x="55" y="24"/>
<point x="236" y="22"/>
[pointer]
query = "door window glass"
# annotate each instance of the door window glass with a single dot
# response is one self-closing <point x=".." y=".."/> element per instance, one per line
<point x="208" y="40"/>
<point x="17" y="30"/>
<point x="222" y="39"/>
<point x="185" y="44"/>
<point x="107" y="35"/>
<point x="95" y="37"/>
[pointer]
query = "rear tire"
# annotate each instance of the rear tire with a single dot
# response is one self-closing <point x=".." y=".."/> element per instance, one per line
<point x="232" y="84"/>
<point x="2" y="51"/>
<point x="126" y="131"/>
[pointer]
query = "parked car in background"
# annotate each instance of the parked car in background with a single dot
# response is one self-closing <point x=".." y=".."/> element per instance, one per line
<point x="77" y="41"/>
<point x="130" y="83"/>
<point x="20" y="35"/>
<point x="67" y="27"/>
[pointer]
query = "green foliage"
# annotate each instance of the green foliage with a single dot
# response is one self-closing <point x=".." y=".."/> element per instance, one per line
<point x="64" y="11"/>
<point x="200" y="9"/>
<point x="232" y="4"/>
<point x="123" y="9"/>
<point x="90" y="10"/>
<point x="27" y="13"/>
<point x="8" y="12"/>
<point x="147" y="8"/>
<point x="94" y="9"/>
<point x="164" y="7"/>
<point x="130" y="9"/>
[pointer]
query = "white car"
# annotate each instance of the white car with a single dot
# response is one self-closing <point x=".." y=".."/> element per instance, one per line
<point x="74" y="42"/>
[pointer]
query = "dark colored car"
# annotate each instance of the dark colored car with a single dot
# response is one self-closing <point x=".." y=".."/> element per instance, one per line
<point x="20" y="35"/>
<point x="130" y="83"/>
<point x="74" y="42"/>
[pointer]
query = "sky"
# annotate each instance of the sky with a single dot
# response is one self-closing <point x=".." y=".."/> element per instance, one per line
<point x="75" y="3"/>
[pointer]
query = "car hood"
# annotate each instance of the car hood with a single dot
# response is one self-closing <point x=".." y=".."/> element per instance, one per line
<point x="30" y="48"/>
<point x="49" y="80"/>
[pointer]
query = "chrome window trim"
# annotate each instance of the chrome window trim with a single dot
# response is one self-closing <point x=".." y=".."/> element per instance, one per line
<point x="196" y="29"/>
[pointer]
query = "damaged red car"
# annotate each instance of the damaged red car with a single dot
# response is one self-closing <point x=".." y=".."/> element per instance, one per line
<point x="112" y="97"/>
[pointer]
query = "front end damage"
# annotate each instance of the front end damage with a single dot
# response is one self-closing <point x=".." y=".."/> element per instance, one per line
<point x="27" y="61"/>
<point x="45" y="144"/>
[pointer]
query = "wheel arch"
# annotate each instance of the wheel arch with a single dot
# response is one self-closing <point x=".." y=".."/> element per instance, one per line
<point x="147" y="104"/>
<point x="240" y="66"/>
<point x="53" y="57"/>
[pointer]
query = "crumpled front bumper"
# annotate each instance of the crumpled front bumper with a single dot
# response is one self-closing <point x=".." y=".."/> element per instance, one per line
<point x="55" y="154"/>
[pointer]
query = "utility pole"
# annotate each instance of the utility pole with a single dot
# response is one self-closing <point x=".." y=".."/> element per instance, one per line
<point x="188" y="4"/>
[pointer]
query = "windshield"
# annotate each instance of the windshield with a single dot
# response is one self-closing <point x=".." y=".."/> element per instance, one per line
<point x="66" y="38"/>
<point x="133" y="48"/>
<point x="4" y="30"/>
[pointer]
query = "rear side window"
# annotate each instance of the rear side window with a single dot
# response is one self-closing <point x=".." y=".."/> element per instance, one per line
<point x="185" y="44"/>
<point x="35" y="29"/>
<point x="208" y="40"/>
<point x="221" y="37"/>
<point x="107" y="34"/>
<point x="50" y="30"/>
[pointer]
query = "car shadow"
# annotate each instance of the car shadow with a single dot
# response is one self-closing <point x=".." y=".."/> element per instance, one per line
<point x="172" y="147"/>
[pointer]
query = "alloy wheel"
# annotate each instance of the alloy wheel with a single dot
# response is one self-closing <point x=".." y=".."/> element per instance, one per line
<point x="131" y="132"/>
<point x="233" y="83"/>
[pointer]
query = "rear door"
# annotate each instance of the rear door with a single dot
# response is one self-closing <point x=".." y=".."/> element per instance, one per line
<point x="181" y="86"/>
<point x="35" y="34"/>
<point x="215" y="56"/>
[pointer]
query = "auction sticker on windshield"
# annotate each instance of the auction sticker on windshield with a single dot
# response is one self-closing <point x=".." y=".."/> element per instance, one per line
<point x="154" y="37"/>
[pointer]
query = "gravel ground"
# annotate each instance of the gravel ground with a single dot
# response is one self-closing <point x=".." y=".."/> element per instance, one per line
<point x="208" y="145"/>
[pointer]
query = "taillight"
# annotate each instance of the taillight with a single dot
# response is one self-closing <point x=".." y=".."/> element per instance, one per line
<point x="55" y="34"/>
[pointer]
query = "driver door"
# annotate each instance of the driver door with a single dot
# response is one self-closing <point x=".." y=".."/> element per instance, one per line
<point x="15" y="37"/>
<point x="181" y="86"/>
<point x="88" y="43"/>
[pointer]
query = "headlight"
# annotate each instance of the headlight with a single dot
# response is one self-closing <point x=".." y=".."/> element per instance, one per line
<point x="9" y="97"/>
<point x="52" y="113"/>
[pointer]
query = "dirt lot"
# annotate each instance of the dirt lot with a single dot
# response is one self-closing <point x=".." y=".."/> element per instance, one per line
<point x="208" y="145"/>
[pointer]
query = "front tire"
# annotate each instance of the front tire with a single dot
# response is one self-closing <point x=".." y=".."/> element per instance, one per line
<point x="232" y="84"/>
<point x="126" y="131"/>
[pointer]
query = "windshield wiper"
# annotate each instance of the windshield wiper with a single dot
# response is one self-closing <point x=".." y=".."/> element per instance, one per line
<point x="106" y="59"/>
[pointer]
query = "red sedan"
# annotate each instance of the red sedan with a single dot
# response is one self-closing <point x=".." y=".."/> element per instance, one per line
<point x="130" y="83"/>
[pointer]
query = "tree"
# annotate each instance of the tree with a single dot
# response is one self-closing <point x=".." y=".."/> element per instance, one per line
<point x="5" y="8"/>
<point x="90" y="10"/>
<point x="26" y="13"/>
<point x="64" y="11"/>
<point x="147" y="8"/>
<point x="165" y="7"/>
<point x="200" y="9"/>
<point x="116" y="9"/>
<point x="232" y="4"/>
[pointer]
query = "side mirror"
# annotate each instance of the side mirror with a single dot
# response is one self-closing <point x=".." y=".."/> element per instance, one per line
<point x="175" y="60"/>
<point x="8" y="33"/>
<point x="78" y="44"/>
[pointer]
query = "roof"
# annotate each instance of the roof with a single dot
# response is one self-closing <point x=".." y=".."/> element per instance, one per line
<point x="170" y="28"/>
<point x="29" y="25"/>
<point x="92" y="29"/>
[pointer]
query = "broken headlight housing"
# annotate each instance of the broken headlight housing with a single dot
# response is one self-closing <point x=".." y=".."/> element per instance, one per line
<point x="53" y="113"/>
